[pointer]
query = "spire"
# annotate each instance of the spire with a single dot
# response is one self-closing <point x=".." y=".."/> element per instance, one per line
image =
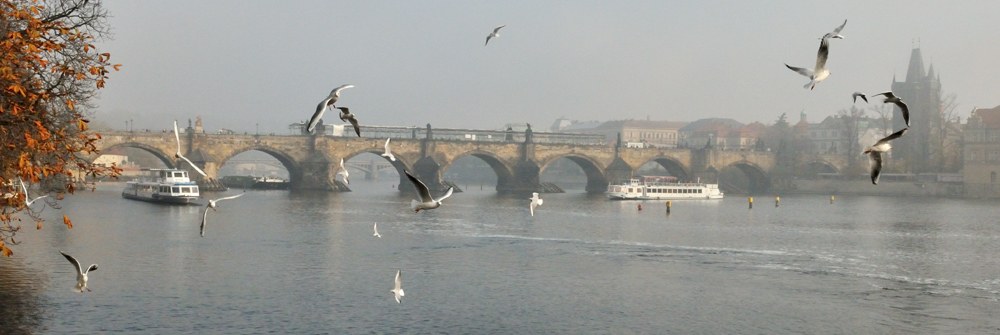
<point x="930" y="72"/>
<point x="915" y="72"/>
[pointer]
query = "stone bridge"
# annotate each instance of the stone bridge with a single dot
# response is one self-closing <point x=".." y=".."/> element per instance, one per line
<point x="517" y="158"/>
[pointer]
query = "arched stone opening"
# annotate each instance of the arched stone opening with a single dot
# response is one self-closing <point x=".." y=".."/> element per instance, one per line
<point x="813" y="169"/>
<point x="166" y="159"/>
<point x="743" y="177"/>
<point x="466" y="170"/>
<point x="671" y="166"/>
<point x="294" y="172"/>
<point x="596" y="181"/>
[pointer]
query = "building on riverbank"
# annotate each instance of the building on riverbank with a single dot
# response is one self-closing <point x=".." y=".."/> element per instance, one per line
<point x="981" y="153"/>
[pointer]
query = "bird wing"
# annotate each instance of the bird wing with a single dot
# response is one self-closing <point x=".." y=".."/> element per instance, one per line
<point x="892" y="136"/>
<point x="341" y="163"/>
<point x="888" y="95"/>
<point x="905" y="110"/>
<point x="532" y="206"/>
<point x="488" y="39"/>
<point x="837" y="31"/>
<point x="422" y="192"/>
<point x="399" y="281"/>
<point x="822" y="54"/>
<point x="354" y="122"/>
<point x="72" y="260"/>
<point x="231" y="197"/>
<point x="192" y="165"/>
<point x="376" y="228"/>
<point x="336" y="91"/>
<point x="387" y="151"/>
<point x="318" y="115"/>
<point x="204" y="220"/>
<point x="875" y="163"/>
<point x="177" y="136"/>
<point x="25" y="188"/>
<point x="446" y="195"/>
<point x="495" y="30"/>
<point x="803" y="71"/>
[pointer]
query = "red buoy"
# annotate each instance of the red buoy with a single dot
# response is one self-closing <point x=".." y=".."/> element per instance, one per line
<point x="640" y="207"/>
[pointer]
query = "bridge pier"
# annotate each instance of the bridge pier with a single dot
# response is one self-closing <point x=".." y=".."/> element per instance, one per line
<point x="318" y="172"/>
<point x="524" y="179"/>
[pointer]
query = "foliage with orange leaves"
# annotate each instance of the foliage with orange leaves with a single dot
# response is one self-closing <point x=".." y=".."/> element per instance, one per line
<point x="50" y="70"/>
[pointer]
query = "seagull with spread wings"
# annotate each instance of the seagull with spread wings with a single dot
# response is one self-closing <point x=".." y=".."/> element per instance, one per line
<point x="892" y="99"/>
<point x="342" y="173"/>
<point x="81" y="273"/>
<point x="397" y="288"/>
<point x="213" y="204"/>
<point x="859" y="94"/>
<point x="388" y="153"/>
<point x="819" y="73"/>
<point x="426" y="200"/>
<point x="496" y="33"/>
<point x="535" y="202"/>
<point x="836" y="32"/>
<point x="875" y="153"/>
<point x="346" y="116"/>
<point x="376" y="231"/>
<point x="27" y="201"/>
<point x="321" y="108"/>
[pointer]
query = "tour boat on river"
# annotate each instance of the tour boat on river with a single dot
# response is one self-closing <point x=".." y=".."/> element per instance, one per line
<point x="662" y="188"/>
<point x="163" y="185"/>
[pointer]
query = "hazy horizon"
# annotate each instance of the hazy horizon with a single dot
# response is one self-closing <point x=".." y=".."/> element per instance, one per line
<point x="238" y="64"/>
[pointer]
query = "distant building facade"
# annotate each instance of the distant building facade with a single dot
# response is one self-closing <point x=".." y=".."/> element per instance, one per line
<point x="641" y="133"/>
<point x="981" y="153"/>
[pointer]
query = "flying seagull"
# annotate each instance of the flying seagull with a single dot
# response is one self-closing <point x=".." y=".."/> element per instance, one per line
<point x="346" y="116"/>
<point x="819" y="73"/>
<point x="388" y="153"/>
<point x="494" y="34"/>
<point x="859" y="94"/>
<point x="397" y="289"/>
<point x="329" y="101"/>
<point x="343" y="172"/>
<point x="212" y="204"/>
<point x="81" y="274"/>
<point x="875" y="153"/>
<point x="376" y="231"/>
<point x="535" y="202"/>
<point x="426" y="200"/>
<point x="177" y="136"/>
<point x="890" y="98"/>
<point x="836" y="32"/>
<point x="25" y="188"/>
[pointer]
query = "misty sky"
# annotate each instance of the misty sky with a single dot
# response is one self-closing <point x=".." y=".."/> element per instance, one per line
<point x="240" y="63"/>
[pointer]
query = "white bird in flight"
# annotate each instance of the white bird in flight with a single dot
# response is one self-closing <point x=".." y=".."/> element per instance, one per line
<point x="426" y="200"/>
<point x="346" y="116"/>
<point x="212" y="204"/>
<point x="342" y="172"/>
<point x="535" y="202"/>
<point x="494" y="34"/>
<point x="177" y="136"/>
<point x="397" y="289"/>
<point x="376" y="231"/>
<point x="859" y="94"/>
<point x="81" y="274"/>
<point x="321" y="108"/>
<point x="875" y="154"/>
<point x="819" y="73"/>
<point x="26" y="200"/>
<point x="890" y="98"/>
<point x="388" y="153"/>
<point x="836" y="32"/>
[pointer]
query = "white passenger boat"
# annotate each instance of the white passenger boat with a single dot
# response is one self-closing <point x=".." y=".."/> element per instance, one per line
<point x="662" y="188"/>
<point x="162" y="185"/>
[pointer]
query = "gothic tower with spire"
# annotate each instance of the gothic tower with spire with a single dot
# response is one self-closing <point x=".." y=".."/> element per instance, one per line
<point x="922" y="94"/>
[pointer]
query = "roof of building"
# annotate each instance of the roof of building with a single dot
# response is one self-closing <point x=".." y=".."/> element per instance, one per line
<point x="989" y="117"/>
<point x="693" y="126"/>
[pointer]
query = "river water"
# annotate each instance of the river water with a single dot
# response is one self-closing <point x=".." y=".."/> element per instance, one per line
<point x="306" y="262"/>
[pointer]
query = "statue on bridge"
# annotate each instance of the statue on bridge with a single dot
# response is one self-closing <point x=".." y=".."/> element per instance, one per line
<point x="527" y="134"/>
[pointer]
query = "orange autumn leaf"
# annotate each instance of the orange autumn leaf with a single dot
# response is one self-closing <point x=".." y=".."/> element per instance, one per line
<point x="67" y="222"/>
<point x="5" y="251"/>
<point x="39" y="225"/>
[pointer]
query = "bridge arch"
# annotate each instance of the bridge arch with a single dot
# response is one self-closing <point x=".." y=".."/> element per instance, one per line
<point x="504" y="173"/>
<point x="400" y="164"/>
<point x="759" y="181"/>
<point x="812" y="168"/>
<point x="673" y="166"/>
<point x="167" y="159"/>
<point x="290" y="164"/>
<point x="596" y="180"/>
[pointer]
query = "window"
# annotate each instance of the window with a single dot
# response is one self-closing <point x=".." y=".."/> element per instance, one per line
<point x="993" y="177"/>
<point x="972" y="156"/>
<point x="194" y="189"/>
<point x="176" y="190"/>
<point x="994" y="137"/>
<point x="993" y="156"/>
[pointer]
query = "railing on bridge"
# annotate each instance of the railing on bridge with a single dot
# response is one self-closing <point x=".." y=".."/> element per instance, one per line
<point x="457" y="134"/>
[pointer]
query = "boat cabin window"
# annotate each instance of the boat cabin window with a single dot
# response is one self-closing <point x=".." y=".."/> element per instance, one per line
<point x="176" y="190"/>
<point x="178" y="174"/>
